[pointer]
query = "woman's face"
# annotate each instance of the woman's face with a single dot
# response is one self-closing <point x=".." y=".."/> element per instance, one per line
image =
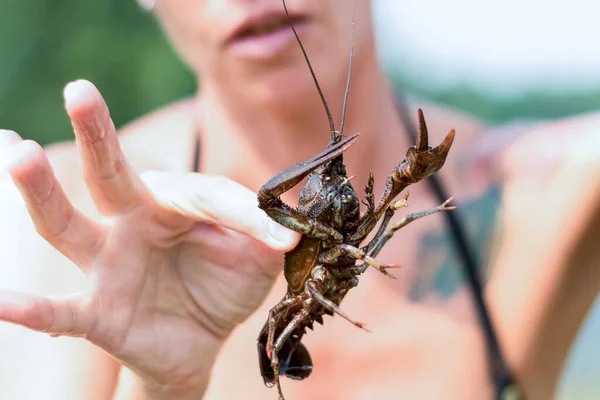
<point x="248" y="45"/>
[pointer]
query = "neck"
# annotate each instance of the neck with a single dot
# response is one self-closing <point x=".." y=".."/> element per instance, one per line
<point x="250" y="141"/>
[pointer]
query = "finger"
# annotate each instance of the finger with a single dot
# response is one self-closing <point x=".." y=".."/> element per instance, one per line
<point x="204" y="198"/>
<point x="68" y="316"/>
<point x="53" y="215"/>
<point x="115" y="187"/>
<point x="7" y="139"/>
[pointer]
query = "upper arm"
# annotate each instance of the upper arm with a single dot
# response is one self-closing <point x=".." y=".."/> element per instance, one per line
<point x="546" y="276"/>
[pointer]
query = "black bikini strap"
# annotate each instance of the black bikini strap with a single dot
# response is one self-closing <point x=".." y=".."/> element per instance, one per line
<point x="196" y="160"/>
<point x="500" y="373"/>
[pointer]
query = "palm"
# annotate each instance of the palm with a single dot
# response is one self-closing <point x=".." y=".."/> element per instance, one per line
<point x="184" y="296"/>
<point x="168" y="281"/>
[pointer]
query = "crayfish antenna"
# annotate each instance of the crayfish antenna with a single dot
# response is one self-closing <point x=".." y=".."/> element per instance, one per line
<point x="312" y="73"/>
<point x="331" y="306"/>
<point x="349" y="73"/>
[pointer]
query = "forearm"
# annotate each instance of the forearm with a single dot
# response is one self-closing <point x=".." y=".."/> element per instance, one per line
<point x="576" y="286"/>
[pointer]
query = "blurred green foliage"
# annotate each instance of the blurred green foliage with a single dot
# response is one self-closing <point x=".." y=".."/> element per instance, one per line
<point x="46" y="43"/>
<point x="536" y="104"/>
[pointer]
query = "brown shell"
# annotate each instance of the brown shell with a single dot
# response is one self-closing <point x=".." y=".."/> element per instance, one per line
<point x="299" y="263"/>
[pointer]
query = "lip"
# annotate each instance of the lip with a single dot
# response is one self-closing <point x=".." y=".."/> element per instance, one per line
<point x="266" y="44"/>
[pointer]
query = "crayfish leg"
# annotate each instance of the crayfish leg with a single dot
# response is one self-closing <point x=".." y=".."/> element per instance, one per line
<point x="407" y="220"/>
<point x="287" y="331"/>
<point x="332" y="255"/>
<point x="274" y="313"/>
<point x="325" y="302"/>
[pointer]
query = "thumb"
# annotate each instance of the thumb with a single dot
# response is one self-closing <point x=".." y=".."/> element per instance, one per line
<point x="218" y="200"/>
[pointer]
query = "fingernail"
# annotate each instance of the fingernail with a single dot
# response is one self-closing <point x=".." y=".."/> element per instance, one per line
<point x="83" y="106"/>
<point x="74" y="92"/>
<point x="8" y="138"/>
<point x="17" y="154"/>
<point x="282" y="234"/>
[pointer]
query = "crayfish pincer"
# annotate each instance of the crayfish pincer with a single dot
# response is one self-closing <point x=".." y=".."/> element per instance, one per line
<point x="323" y="267"/>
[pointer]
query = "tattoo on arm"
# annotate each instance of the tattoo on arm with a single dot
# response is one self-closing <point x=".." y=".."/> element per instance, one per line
<point x="439" y="268"/>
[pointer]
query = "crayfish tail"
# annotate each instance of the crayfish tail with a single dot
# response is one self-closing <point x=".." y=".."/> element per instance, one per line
<point x="295" y="361"/>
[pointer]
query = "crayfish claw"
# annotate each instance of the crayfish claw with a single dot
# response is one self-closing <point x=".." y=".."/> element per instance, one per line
<point x="444" y="147"/>
<point x="423" y="134"/>
<point x="423" y="160"/>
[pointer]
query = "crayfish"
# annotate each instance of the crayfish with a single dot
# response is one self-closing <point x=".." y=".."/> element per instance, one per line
<point x="323" y="267"/>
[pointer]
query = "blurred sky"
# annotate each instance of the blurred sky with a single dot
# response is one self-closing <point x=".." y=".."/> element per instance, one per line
<point x="499" y="46"/>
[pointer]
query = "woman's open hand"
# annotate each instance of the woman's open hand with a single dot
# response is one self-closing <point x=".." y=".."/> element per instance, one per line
<point x="176" y="262"/>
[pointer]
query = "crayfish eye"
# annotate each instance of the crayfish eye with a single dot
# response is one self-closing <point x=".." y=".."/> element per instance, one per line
<point x="311" y="190"/>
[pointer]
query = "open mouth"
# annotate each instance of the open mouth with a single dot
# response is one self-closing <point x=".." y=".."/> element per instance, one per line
<point x="266" y="26"/>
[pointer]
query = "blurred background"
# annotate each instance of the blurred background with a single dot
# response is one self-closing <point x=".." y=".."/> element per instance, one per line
<point x="500" y="61"/>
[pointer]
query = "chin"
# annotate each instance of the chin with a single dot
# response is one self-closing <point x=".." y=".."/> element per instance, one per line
<point x="284" y="81"/>
<point x="288" y="87"/>
<point x="296" y="87"/>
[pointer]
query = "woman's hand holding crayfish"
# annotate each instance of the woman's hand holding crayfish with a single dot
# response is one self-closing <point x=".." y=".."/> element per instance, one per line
<point x="175" y="264"/>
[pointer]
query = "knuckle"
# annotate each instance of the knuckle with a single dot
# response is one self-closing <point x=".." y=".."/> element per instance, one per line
<point x="44" y="196"/>
<point x="52" y="234"/>
<point x="39" y="315"/>
<point x="51" y="229"/>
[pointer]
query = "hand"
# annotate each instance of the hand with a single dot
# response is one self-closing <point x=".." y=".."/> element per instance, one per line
<point x="177" y="261"/>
